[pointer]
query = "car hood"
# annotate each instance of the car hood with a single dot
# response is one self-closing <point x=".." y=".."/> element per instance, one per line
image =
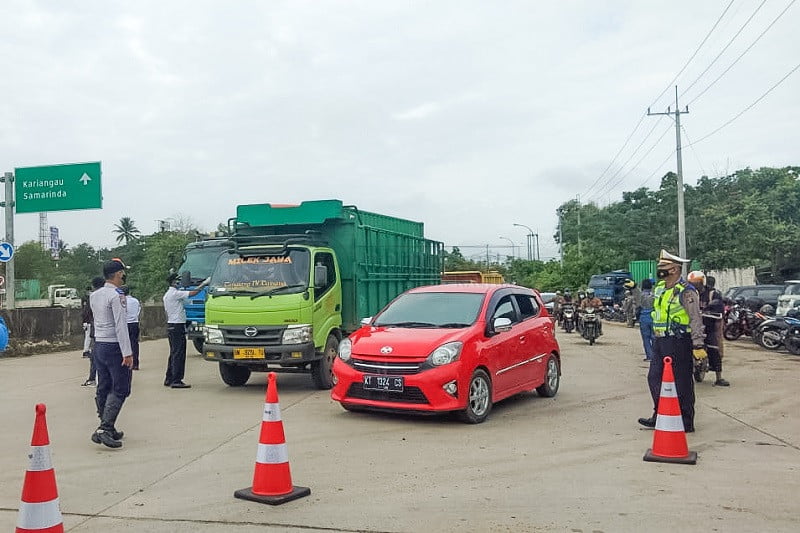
<point x="404" y="342"/>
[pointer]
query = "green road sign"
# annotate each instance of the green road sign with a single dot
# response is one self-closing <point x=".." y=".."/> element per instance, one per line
<point x="58" y="188"/>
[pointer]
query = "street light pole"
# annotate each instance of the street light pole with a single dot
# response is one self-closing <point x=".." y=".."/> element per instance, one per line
<point x="513" y="244"/>
<point x="530" y="240"/>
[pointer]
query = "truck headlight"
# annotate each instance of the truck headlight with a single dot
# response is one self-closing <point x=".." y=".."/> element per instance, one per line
<point x="297" y="334"/>
<point x="345" y="349"/>
<point x="213" y="335"/>
<point x="446" y="353"/>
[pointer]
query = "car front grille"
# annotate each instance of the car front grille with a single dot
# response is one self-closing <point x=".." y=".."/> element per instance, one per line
<point x="409" y="395"/>
<point x="384" y="368"/>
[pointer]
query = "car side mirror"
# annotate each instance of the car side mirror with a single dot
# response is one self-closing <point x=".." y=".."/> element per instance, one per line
<point x="501" y="324"/>
<point x="320" y="276"/>
<point x="366" y="321"/>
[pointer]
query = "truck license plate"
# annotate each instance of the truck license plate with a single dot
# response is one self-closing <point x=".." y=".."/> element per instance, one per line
<point x="248" y="353"/>
<point x="383" y="383"/>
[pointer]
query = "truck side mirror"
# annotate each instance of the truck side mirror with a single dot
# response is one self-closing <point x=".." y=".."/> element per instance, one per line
<point x="186" y="278"/>
<point x="320" y="276"/>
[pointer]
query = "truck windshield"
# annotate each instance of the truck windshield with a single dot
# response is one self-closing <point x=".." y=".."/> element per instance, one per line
<point x="256" y="274"/>
<point x="599" y="281"/>
<point x="200" y="261"/>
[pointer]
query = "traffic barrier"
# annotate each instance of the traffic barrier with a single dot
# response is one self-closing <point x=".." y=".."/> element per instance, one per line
<point x="669" y="439"/>
<point x="272" y="481"/>
<point x="39" y="510"/>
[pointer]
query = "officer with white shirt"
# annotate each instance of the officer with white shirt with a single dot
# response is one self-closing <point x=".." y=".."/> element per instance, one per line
<point x="112" y="353"/>
<point x="176" y="331"/>
<point x="134" y="310"/>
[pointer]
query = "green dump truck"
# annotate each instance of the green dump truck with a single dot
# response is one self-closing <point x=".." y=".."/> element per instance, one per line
<point x="300" y="278"/>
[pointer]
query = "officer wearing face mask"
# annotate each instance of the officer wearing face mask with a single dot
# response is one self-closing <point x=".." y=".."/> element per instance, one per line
<point x="678" y="328"/>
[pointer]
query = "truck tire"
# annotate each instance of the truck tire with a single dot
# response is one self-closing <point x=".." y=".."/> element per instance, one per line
<point x="322" y="369"/>
<point x="198" y="344"/>
<point x="234" y="375"/>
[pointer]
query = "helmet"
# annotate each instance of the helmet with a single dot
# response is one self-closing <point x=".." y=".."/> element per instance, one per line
<point x="767" y="309"/>
<point x="792" y="313"/>
<point x="566" y="292"/>
<point x="629" y="284"/>
<point x="695" y="277"/>
<point x="590" y="292"/>
<point x="558" y="293"/>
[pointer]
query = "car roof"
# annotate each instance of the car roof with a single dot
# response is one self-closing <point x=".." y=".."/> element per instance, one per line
<point x="477" y="288"/>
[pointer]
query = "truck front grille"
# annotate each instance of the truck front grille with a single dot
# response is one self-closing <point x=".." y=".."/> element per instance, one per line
<point x="264" y="336"/>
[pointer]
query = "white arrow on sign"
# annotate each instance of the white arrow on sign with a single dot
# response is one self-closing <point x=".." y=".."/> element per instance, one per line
<point x="6" y="251"/>
<point x="85" y="178"/>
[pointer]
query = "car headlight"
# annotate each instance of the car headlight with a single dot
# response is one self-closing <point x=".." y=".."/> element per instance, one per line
<point x="345" y="350"/>
<point x="297" y="334"/>
<point x="446" y="353"/>
<point x="213" y="335"/>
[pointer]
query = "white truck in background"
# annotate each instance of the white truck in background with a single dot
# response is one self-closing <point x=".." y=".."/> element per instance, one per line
<point x="57" y="296"/>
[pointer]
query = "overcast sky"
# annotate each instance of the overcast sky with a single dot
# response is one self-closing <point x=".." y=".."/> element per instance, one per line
<point x="468" y="116"/>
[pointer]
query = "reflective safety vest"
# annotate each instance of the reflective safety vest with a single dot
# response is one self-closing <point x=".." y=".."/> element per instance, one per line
<point x="668" y="311"/>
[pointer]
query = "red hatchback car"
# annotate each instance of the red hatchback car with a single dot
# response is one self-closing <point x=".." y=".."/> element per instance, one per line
<point x="444" y="348"/>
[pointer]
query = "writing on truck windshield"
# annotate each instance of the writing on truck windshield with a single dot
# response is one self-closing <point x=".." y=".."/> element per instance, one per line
<point x="259" y="273"/>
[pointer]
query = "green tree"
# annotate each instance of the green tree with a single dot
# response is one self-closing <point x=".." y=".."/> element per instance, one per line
<point x="126" y="230"/>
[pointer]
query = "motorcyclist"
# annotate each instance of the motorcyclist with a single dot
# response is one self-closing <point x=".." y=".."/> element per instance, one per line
<point x="558" y="302"/>
<point x="711" y="307"/>
<point x="593" y="301"/>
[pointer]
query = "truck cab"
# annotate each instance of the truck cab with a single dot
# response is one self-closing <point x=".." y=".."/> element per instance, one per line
<point x="610" y="287"/>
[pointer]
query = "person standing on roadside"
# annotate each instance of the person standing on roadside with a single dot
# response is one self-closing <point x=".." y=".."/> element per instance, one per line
<point x="711" y="306"/>
<point x="646" y="319"/>
<point x="112" y="353"/>
<point x="134" y="310"/>
<point x="678" y="328"/>
<point x="176" y="331"/>
<point x="88" y="323"/>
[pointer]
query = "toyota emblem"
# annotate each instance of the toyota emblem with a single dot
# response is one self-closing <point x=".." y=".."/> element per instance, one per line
<point x="386" y="349"/>
<point x="250" y="331"/>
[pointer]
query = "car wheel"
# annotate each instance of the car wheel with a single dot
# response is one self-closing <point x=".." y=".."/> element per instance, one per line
<point x="552" y="379"/>
<point x="322" y="369"/>
<point x="234" y="375"/>
<point x="479" y="398"/>
<point x="198" y="344"/>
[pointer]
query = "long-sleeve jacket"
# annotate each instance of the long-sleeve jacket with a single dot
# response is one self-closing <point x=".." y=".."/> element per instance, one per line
<point x="110" y="317"/>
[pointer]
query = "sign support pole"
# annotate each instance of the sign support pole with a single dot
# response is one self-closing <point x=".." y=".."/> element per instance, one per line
<point x="8" y="178"/>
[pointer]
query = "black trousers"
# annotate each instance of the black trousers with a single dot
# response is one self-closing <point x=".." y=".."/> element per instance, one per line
<point x="113" y="382"/>
<point x="176" y="366"/>
<point x="133" y="334"/>
<point x="680" y="349"/>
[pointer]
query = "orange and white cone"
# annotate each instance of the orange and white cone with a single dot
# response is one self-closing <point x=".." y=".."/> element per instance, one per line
<point x="272" y="481"/>
<point x="669" y="439"/>
<point x="39" y="509"/>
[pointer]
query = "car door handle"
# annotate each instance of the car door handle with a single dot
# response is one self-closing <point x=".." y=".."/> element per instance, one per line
<point x="522" y="338"/>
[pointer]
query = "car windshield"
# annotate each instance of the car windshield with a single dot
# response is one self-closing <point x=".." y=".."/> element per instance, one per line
<point x="547" y="297"/>
<point x="792" y="289"/>
<point x="260" y="274"/>
<point x="432" y="309"/>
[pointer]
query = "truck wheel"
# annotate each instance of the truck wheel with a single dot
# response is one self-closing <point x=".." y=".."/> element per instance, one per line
<point x="198" y="344"/>
<point x="234" y="375"/>
<point x="322" y="369"/>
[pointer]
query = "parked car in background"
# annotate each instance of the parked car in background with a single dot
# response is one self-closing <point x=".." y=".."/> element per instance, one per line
<point x="756" y="295"/>
<point x="790" y="299"/>
<point x="450" y="348"/>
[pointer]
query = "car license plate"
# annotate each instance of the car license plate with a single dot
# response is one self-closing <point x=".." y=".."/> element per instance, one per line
<point x="383" y="383"/>
<point x="248" y="353"/>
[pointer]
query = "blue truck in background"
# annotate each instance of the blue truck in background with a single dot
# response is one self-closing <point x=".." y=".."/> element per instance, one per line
<point x="610" y="287"/>
<point x="199" y="259"/>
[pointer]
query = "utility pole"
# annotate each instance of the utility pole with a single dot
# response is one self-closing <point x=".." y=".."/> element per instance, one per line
<point x="681" y="208"/>
<point x="579" y="224"/>
<point x="8" y="179"/>
<point x="560" y="235"/>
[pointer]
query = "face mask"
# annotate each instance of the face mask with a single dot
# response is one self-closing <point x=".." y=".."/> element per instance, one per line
<point x="124" y="277"/>
<point x="661" y="274"/>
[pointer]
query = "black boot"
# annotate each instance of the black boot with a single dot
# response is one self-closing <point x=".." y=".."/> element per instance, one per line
<point x="101" y="436"/>
<point x="648" y="422"/>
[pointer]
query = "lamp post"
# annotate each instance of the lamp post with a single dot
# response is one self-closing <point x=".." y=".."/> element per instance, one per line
<point x="513" y="244"/>
<point x="530" y="237"/>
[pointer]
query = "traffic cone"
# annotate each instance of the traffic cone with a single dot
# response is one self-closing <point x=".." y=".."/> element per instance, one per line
<point x="39" y="509"/>
<point x="669" y="439"/>
<point x="272" y="481"/>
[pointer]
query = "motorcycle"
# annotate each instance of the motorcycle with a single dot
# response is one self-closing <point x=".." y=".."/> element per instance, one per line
<point x="741" y="320"/>
<point x="771" y="333"/>
<point x="568" y="317"/>
<point x="591" y="324"/>
<point x="792" y="337"/>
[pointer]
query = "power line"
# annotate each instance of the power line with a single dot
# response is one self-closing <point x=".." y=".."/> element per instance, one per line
<point x="634" y="167"/>
<point x="743" y="53"/>
<point x="672" y="83"/>
<point x="746" y="22"/>
<point x="664" y="162"/>
<point x="616" y="156"/>
<point x="746" y="109"/>
<point x="696" y="155"/>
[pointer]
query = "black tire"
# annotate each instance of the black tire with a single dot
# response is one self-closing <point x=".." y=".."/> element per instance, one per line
<point x="769" y="338"/>
<point x="234" y="375"/>
<point x="198" y="344"/>
<point x="479" y="398"/>
<point x="322" y="369"/>
<point x="591" y="341"/>
<point x="793" y="345"/>
<point x="552" y="379"/>
<point x="699" y="375"/>
<point x="732" y="331"/>
<point x="568" y="326"/>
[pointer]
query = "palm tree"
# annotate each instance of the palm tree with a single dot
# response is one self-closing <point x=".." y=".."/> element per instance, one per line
<point x="126" y="230"/>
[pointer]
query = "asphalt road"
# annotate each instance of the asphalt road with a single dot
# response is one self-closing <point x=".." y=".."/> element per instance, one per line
<point x="572" y="463"/>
